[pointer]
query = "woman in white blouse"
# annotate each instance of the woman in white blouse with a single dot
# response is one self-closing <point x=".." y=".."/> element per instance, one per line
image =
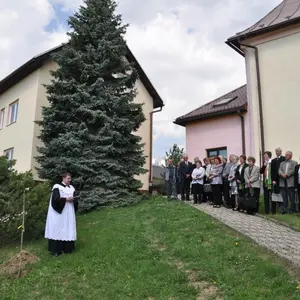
<point x="197" y="177"/>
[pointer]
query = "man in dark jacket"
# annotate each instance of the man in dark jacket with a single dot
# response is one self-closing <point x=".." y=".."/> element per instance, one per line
<point x="275" y="164"/>
<point x="185" y="173"/>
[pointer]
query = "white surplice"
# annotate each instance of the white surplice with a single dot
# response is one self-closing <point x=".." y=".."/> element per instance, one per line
<point x="61" y="227"/>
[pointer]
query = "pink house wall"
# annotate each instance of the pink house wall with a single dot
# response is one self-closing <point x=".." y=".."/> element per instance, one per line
<point x="224" y="131"/>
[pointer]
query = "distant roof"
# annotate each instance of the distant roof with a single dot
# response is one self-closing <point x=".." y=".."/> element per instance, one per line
<point x="37" y="61"/>
<point x="286" y="13"/>
<point x="230" y="103"/>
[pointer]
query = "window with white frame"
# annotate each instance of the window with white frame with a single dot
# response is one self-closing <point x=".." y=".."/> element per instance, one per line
<point x="9" y="153"/>
<point x="2" y="113"/>
<point x="13" y="112"/>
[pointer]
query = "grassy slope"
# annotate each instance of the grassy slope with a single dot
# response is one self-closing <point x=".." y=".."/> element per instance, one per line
<point x="155" y="250"/>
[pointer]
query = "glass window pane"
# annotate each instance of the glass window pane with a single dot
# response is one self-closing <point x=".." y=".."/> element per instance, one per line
<point x="223" y="153"/>
<point x="212" y="153"/>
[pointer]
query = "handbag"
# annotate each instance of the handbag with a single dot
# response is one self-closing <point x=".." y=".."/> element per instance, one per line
<point x="276" y="197"/>
<point x="207" y="188"/>
<point x="250" y="201"/>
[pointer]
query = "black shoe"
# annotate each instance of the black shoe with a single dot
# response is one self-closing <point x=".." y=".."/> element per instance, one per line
<point x="182" y="199"/>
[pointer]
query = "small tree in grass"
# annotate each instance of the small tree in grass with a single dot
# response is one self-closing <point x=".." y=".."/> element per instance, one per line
<point x="88" y="129"/>
<point x="175" y="153"/>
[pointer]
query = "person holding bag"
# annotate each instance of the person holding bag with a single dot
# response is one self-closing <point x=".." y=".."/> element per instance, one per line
<point x="207" y="184"/>
<point x="233" y="183"/>
<point x="252" y="184"/>
<point x="216" y="181"/>
<point x="240" y="179"/>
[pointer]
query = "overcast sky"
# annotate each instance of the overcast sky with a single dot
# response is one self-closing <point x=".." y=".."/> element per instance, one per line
<point x="179" y="43"/>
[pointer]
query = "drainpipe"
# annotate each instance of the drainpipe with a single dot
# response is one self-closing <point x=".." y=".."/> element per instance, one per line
<point x="243" y="132"/>
<point x="151" y="146"/>
<point x="262" y="134"/>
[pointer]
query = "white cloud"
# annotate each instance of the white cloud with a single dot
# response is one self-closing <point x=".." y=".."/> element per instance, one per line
<point x="22" y="31"/>
<point x="180" y="45"/>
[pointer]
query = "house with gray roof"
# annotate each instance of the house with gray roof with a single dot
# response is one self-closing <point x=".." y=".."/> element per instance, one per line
<point x="264" y="113"/>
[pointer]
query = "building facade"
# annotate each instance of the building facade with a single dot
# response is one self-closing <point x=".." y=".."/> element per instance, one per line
<point x="22" y="96"/>
<point x="271" y="48"/>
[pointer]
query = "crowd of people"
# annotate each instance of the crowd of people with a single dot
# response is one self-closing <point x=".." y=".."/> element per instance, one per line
<point x="236" y="184"/>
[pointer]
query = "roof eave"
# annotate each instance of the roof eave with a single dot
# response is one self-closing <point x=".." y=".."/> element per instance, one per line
<point x="157" y="101"/>
<point x="235" y="48"/>
<point x="234" y="40"/>
<point x="184" y="122"/>
<point x="37" y="61"/>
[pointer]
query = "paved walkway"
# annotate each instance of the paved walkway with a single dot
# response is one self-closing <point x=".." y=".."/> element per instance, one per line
<point x="280" y="239"/>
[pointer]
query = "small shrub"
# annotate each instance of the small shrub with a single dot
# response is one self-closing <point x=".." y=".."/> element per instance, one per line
<point x="12" y="186"/>
<point x="160" y="188"/>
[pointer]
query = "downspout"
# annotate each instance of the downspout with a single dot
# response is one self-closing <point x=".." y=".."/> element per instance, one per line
<point x="151" y="146"/>
<point x="243" y="132"/>
<point x="261" y="119"/>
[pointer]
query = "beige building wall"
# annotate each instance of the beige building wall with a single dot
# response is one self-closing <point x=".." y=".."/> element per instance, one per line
<point x="43" y="78"/>
<point x="19" y="135"/>
<point x="145" y="130"/>
<point x="279" y="68"/>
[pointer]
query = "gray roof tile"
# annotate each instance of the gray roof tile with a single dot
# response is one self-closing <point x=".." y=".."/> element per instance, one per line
<point x="283" y="14"/>
<point x="212" y="109"/>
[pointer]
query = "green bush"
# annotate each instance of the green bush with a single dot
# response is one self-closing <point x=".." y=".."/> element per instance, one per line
<point x="12" y="187"/>
<point x="160" y="188"/>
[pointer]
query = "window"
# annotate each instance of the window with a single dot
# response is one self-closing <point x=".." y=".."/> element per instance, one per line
<point x="216" y="152"/>
<point x="9" y="153"/>
<point x="13" y="112"/>
<point x="2" y="112"/>
<point x="224" y="101"/>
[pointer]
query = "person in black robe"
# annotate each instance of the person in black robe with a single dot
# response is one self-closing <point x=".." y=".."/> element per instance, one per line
<point x="61" y="222"/>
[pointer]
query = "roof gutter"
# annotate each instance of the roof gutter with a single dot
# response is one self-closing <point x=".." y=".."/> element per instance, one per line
<point x="151" y="146"/>
<point x="235" y="48"/>
<point x="243" y="131"/>
<point x="261" y="119"/>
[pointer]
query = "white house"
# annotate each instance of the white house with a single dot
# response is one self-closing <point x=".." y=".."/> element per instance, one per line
<point x="22" y="95"/>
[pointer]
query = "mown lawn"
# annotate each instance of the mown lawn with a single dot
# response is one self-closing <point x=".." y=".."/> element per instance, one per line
<point x="154" y="250"/>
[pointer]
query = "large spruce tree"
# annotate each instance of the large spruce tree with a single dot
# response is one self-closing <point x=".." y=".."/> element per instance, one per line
<point x="88" y="128"/>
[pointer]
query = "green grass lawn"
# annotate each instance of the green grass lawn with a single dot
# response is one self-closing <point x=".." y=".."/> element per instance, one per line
<point x="154" y="250"/>
<point x="288" y="219"/>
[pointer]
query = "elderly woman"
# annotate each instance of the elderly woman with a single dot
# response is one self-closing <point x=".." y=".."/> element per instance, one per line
<point x="196" y="159"/>
<point x="252" y="185"/>
<point x="197" y="183"/>
<point x="216" y="181"/>
<point x="232" y="182"/>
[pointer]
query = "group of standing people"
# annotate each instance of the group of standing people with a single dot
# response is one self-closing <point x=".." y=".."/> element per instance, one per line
<point x="236" y="184"/>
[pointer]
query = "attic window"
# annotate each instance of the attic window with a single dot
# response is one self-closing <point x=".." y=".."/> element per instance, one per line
<point x="224" y="101"/>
